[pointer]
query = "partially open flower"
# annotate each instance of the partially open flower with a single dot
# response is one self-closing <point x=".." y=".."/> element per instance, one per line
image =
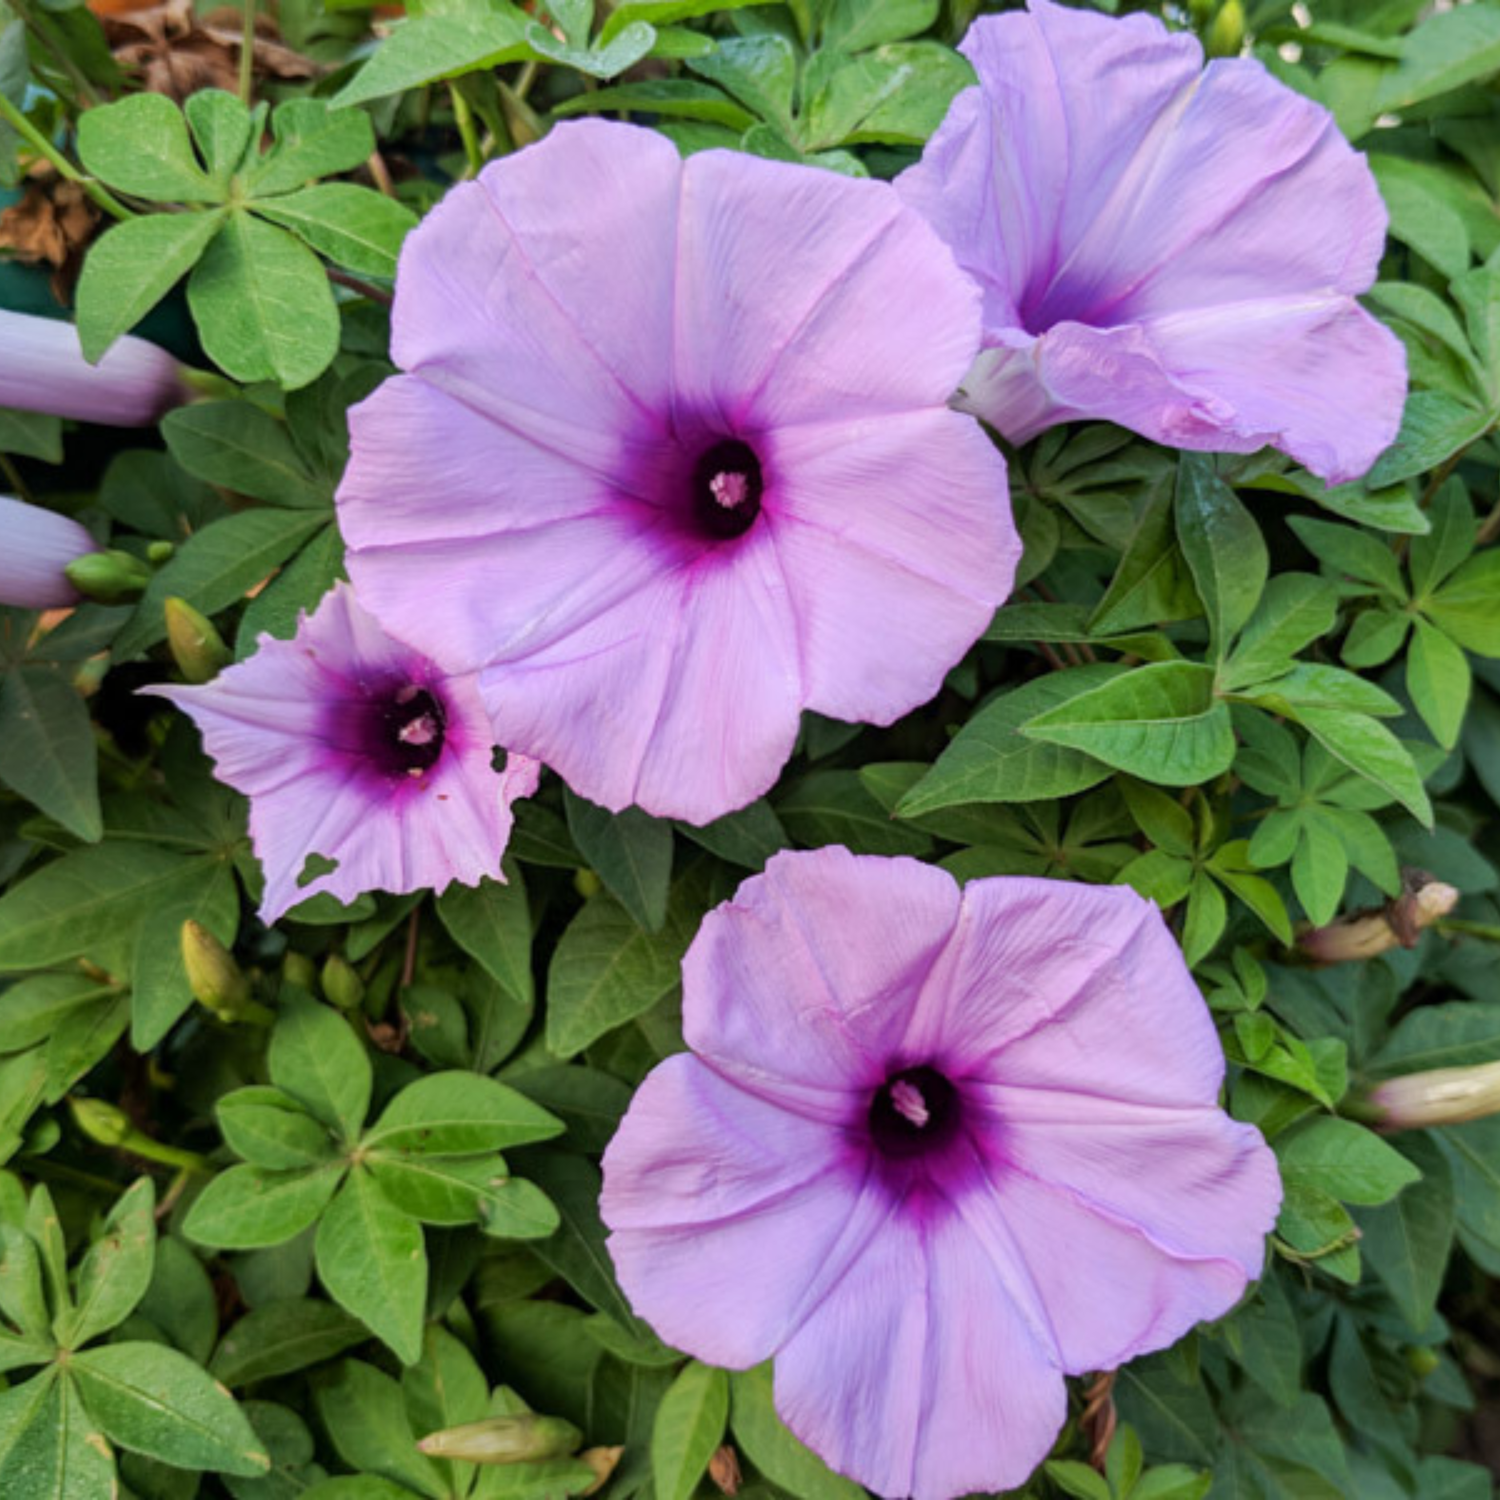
<point x="42" y="368"/>
<point x="673" y="461"/>
<point x="357" y="751"/>
<point x="36" y="547"/>
<point x="1170" y="248"/>
<point x="933" y="1149"/>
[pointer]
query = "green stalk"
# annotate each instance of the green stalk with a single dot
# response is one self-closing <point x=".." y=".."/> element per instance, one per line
<point x="43" y="147"/>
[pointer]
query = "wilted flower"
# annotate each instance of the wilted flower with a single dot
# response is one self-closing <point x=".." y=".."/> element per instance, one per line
<point x="1171" y="249"/>
<point x="42" y="368"/>
<point x="355" y="749"/>
<point x="933" y="1149"/>
<point x="672" y="461"/>
<point x="36" y="547"/>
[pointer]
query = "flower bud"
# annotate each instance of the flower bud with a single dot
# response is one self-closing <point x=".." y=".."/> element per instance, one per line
<point x="1227" y="34"/>
<point x="298" y="970"/>
<point x="158" y="553"/>
<point x="505" y="1440"/>
<point x="1369" y="933"/>
<point x="1439" y="1096"/>
<point x="108" y="577"/>
<point x="44" y="370"/>
<point x="105" y="1123"/>
<point x="216" y="980"/>
<point x="341" y="982"/>
<point x="36" y="547"/>
<point x="197" y="648"/>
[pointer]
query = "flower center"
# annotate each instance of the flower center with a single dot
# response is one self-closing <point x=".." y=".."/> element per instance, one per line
<point x="411" y="728"/>
<point x="913" y="1112"/>
<point x="727" y="488"/>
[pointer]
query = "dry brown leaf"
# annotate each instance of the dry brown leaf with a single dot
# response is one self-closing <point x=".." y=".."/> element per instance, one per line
<point x="174" y="52"/>
<point x="52" y="225"/>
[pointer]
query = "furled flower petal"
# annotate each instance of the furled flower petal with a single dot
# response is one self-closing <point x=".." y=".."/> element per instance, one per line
<point x="1173" y="249"/>
<point x="36" y="545"/>
<point x="356" y="749"/>
<point x="661" y="522"/>
<point x="933" y="1150"/>
<point x="42" y="368"/>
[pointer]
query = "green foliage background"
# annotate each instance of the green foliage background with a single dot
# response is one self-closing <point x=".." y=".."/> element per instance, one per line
<point x="258" y="1247"/>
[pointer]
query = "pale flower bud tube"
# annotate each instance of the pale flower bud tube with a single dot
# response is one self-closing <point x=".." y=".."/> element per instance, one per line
<point x="42" y="369"/>
<point x="1438" y="1096"/>
<point x="36" y="547"/>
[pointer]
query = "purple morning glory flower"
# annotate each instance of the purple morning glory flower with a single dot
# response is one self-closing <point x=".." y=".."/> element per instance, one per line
<point x="36" y="545"/>
<point x="672" y="461"/>
<point x="1166" y="247"/>
<point x="356" y="749"/>
<point x="42" y="368"/>
<point x="933" y="1149"/>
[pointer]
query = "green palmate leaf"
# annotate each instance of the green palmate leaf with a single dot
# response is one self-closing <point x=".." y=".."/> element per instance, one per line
<point x="852" y="26"/>
<point x="898" y="94"/>
<point x="1222" y="545"/>
<point x="215" y="567"/>
<point x="760" y="71"/>
<point x="353" y="226"/>
<point x="221" y="126"/>
<point x="659" y="13"/>
<point x="50" y="1448"/>
<point x="1407" y="1242"/>
<point x="1357" y="554"/>
<point x="492" y="924"/>
<point x="1295" y="610"/>
<point x="373" y="1263"/>
<point x="49" y="755"/>
<point x="296" y="589"/>
<point x="116" y="1270"/>
<point x="1152" y="583"/>
<point x="990" y="760"/>
<point x="1433" y="558"/>
<point x="1445" y="52"/>
<point x="155" y="1401"/>
<point x="679" y="97"/>
<point x="1207" y="913"/>
<point x="317" y="1059"/>
<point x="624" y="49"/>
<point x="1420" y="215"/>
<point x="22" y="1297"/>
<point x="1159" y="722"/>
<point x="160" y="990"/>
<point x="283" y="1337"/>
<point x="1345" y="1160"/>
<point x="140" y="145"/>
<point x="1467" y="606"/>
<point x="1438" y="680"/>
<point x="31" y="434"/>
<point x="1367" y="747"/>
<point x="426" y="48"/>
<point x="1313" y="685"/>
<point x="459" y="1114"/>
<point x="773" y="1450"/>
<point x="467" y="1190"/>
<point x="689" y="1426"/>
<point x="263" y="306"/>
<point x="132" y="268"/>
<point x="577" y="1251"/>
<point x="247" y="1207"/>
<point x="1433" y="428"/>
<point x="1077" y="1480"/>
<point x="312" y="139"/>
<point x="271" y="1129"/>
<point x="1458" y="1035"/>
<point x="180" y="1300"/>
<point x="748" y="837"/>
<point x="365" y="1415"/>
<point x="1375" y="636"/>
<point x="834" y="807"/>
<point x="91" y="902"/>
<point x="1320" y="870"/>
<point x="630" y="851"/>
<point x="241" y="447"/>
<point x="606" y="971"/>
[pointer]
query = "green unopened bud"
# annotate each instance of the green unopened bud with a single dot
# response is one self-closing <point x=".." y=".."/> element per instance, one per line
<point x="603" y="1461"/>
<point x="586" y="883"/>
<point x="159" y="552"/>
<point x="216" y="980"/>
<point x="1421" y="1361"/>
<point x="108" y="577"/>
<point x="505" y="1440"/>
<point x="298" y="970"/>
<point x="105" y="1123"/>
<point x="197" y="648"/>
<point x="1438" y="1096"/>
<point x="1227" y="34"/>
<point x="341" y="982"/>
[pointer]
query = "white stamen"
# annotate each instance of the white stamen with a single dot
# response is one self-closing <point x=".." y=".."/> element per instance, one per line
<point x="910" y="1104"/>
<point x="419" y="731"/>
<point x="729" y="489"/>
